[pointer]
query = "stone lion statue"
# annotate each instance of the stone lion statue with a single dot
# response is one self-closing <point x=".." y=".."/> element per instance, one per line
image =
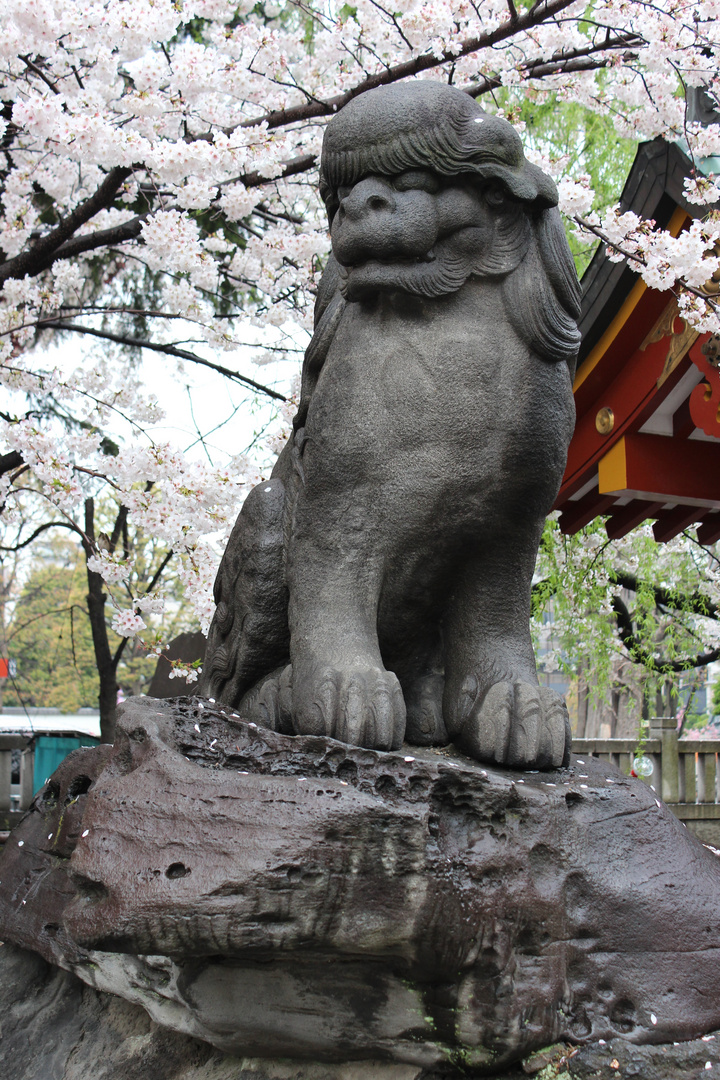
<point x="377" y="587"/>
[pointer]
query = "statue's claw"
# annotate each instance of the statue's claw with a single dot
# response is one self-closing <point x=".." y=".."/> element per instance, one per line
<point x="518" y="724"/>
<point x="268" y="703"/>
<point x="361" y="706"/>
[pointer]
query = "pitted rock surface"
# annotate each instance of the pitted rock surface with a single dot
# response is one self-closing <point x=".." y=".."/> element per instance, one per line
<point x="296" y="897"/>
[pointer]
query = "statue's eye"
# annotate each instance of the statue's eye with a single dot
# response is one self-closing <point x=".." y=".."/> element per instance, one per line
<point x="417" y="180"/>
<point x="494" y="195"/>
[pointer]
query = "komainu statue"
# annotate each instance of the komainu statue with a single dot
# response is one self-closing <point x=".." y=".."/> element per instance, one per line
<point x="377" y="587"/>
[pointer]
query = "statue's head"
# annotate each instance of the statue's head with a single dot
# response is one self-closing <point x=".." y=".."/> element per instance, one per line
<point x="424" y="189"/>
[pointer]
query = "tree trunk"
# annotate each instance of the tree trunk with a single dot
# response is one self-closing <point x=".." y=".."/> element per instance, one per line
<point x="106" y="665"/>
<point x="583" y="693"/>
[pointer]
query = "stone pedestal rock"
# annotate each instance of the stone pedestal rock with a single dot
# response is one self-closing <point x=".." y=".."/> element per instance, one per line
<point x="296" y="898"/>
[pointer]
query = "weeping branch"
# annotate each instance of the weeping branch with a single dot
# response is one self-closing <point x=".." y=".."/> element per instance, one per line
<point x="693" y="603"/>
<point x="690" y="603"/>
<point x="640" y="654"/>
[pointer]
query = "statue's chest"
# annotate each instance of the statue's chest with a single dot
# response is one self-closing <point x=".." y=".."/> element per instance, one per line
<point x="457" y="353"/>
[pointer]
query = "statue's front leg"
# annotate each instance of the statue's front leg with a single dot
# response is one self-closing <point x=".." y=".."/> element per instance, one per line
<point x="340" y="687"/>
<point x="494" y="708"/>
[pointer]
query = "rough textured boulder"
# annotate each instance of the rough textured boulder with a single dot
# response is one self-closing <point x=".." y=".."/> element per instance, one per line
<point x="55" y="1027"/>
<point x="295" y="897"/>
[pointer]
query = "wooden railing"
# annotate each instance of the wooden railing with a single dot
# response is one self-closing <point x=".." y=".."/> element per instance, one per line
<point x="686" y="772"/>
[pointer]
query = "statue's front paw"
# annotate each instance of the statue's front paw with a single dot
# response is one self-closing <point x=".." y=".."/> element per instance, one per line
<point x="362" y="706"/>
<point x="517" y="724"/>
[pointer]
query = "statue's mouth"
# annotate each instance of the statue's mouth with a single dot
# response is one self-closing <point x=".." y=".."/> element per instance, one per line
<point x="383" y="264"/>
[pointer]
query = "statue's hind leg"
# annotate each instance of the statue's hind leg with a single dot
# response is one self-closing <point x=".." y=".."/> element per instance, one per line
<point x="249" y="635"/>
<point x="493" y="706"/>
<point x="415" y="654"/>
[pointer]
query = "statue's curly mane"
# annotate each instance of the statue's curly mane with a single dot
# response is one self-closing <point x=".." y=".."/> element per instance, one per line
<point x="542" y="295"/>
<point x="443" y="129"/>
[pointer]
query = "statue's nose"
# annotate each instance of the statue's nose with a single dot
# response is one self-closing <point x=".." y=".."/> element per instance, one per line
<point x="369" y="196"/>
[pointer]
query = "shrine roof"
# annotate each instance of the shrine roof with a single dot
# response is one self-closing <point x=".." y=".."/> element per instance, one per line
<point x="647" y="388"/>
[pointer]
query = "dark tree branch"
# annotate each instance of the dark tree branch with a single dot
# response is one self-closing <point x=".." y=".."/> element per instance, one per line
<point x="41" y="529"/>
<point x="43" y="253"/>
<point x="54" y="246"/>
<point x="640" y="654"/>
<point x="695" y="603"/>
<point x="10" y="461"/>
<point x="96" y="598"/>
<point x="45" y="615"/>
<point x="538" y="14"/>
<point x="39" y="72"/>
<point x="155" y="578"/>
<point x="540" y="70"/>
<point x="168" y="350"/>
<point x="296" y="165"/>
<point x="118" y="234"/>
<point x="118" y="527"/>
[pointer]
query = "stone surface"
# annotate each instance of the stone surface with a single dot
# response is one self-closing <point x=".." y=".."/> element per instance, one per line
<point x="377" y="587"/>
<point x="54" y="1027"/>
<point x="295" y="897"/>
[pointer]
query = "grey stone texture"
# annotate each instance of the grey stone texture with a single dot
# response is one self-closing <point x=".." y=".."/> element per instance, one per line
<point x="377" y="587"/>
<point x="298" y="898"/>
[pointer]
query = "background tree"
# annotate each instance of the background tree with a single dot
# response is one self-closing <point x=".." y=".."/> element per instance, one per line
<point x="50" y="631"/>
<point x="632" y="604"/>
<point x="69" y="635"/>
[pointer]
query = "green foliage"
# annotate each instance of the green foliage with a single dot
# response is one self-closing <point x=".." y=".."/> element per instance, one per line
<point x="50" y="637"/>
<point x="586" y="140"/>
<point x="580" y="141"/>
<point x="696" y="721"/>
<point x="588" y="144"/>
<point x="716" y="699"/>
<point x="589" y="588"/>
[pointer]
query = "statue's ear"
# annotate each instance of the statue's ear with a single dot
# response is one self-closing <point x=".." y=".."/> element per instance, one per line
<point x="542" y="297"/>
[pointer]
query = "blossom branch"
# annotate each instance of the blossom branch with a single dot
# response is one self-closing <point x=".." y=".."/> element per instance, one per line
<point x="168" y="350"/>
<point x="539" y="13"/>
<point x="44" y="252"/>
<point x="575" y="60"/>
<point x="155" y="579"/>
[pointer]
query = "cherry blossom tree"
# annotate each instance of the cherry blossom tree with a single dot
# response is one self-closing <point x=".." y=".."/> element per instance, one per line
<point x="634" y="614"/>
<point x="158" y="193"/>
